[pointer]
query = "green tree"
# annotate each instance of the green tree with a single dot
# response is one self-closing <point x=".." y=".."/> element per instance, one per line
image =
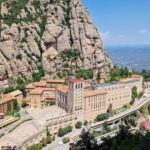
<point x="86" y="142"/>
<point x="133" y="121"/>
<point x="63" y="131"/>
<point x="66" y="140"/>
<point x="78" y="125"/>
<point x="15" y="105"/>
<point x="134" y="94"/>
<point x="85" y="122"/>
<point x="23" y="104"/>
<point x="102" y="117"/>
<point x="48" y="139"/>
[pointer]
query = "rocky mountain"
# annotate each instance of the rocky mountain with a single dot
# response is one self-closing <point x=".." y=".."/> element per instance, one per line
<point x="56" y="35"/>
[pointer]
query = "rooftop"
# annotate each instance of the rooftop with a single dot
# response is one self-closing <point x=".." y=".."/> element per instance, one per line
<point x="37" y="91"/>
<point x="30" y="86"/>
<point x="6" y="99"/>
<point x="122" y="82"/>
<point x="87" y="85"/>
<point x="75" y="80"/>
<point x="94" y="92"/>
<point x="55" y="81"/>
<point x="15" y="93"/>
<point x="49" y="89"/>
<point x="146" y="125"/>
<point x="40" y="84"/>
<point x="63" y="89"/>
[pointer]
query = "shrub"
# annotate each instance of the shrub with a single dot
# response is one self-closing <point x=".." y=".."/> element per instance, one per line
<point x="23" y="104"/>
<point x="63" y="131"/>
<point x="86" y="74"/>
<point x="102" y="117"/>
<point x="78" y="125"/>
<point x="8" y="89"/>
<point x="66" y="140"/>
<point x="66" y="65"/>
<point x="85" y="122"/>
<point x="19" y="56"/>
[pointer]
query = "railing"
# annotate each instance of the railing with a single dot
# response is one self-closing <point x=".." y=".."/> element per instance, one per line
<point x="120" y="116"/>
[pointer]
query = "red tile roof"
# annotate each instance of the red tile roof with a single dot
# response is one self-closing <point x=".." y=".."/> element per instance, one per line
<point x="37" y="91"/>
<point x="55" y="81"/>
<point x="87" y="85"/>
<point x="75" y="80"/>
<point x="15" y="93"/>
<point x="63" y="89"/>
<point x="146" y="125"/>
<point x="30" y="86"/>
<point x="94" y="93"/>
<point x="40" y="84"/>
<point x="49" y="89"/>
<point x="6" y="99"/>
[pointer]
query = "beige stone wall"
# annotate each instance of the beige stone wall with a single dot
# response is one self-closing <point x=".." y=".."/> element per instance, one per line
<point x="4" y="107"/>
<point x="60" y="122"/>
<point x="35" y="101"/>
<point x="75" y="99"/>
<point x="93" y="106"/>
<point x="19" y="99"/>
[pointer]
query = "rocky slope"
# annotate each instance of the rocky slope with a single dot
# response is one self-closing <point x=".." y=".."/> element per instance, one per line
<point x="56" y="34"/>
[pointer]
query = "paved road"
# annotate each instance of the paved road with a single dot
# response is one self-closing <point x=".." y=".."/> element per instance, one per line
<point x="55" y="145"/>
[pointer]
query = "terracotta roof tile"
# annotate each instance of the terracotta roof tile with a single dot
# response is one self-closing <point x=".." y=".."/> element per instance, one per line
<point x="63" y="89"/>
<point x="55" y="81"/>
<point x="37" y="91"/>
<point x="15" y="93"/>
<point x="146" y="125"/>
<point x="40" y="84"/>
<point x="30" y="86"/>
<point x="6" y="99"/>
<point x="75" y="80"/>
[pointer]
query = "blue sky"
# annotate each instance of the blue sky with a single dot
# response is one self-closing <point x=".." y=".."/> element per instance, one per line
<point x="121" y="21"/>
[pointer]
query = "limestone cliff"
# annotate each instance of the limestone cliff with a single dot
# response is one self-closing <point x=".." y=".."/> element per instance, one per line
<point x="57" y="34"/>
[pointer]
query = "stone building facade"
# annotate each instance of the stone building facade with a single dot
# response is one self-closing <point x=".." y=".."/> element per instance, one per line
<point x="87" y="104"/>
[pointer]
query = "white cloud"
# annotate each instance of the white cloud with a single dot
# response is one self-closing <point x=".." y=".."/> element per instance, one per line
<point x="105" y="35"/>
<point x="144" y="32"/>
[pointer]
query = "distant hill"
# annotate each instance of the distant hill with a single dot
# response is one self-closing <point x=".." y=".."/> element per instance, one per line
<point x="135" y="57"/>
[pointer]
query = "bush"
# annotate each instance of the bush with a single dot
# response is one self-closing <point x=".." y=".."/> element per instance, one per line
<point x="36" y="76"/>
<point x="66" y="140"/>
<point x="78" y="125"/>
<point x="48" y="139"/>
<point x="66" y="65"/>
<point x="23" y="104"/>
<point x="85" y="122"/>
<point x="19" y="56"/>
<point x="119" y="72"/>
<point x="86" y="74"/>
<point x="71" y="53"/>
<point x="102" y="117"/>
<point x="51" y="102"/>
<point x="63" y="131"/>
<point x="8" y="89"/>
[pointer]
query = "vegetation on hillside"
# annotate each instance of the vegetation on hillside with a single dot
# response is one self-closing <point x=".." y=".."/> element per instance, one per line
<point x="124" y="140"/>
<point x="119" y="72"/>
<point x="145" y="74"/>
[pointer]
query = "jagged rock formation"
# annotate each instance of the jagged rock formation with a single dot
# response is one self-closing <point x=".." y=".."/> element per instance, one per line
<point x="44" y="32"/>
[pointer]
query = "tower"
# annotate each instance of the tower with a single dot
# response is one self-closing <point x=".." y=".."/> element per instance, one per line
<point x="75" y="97"/>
